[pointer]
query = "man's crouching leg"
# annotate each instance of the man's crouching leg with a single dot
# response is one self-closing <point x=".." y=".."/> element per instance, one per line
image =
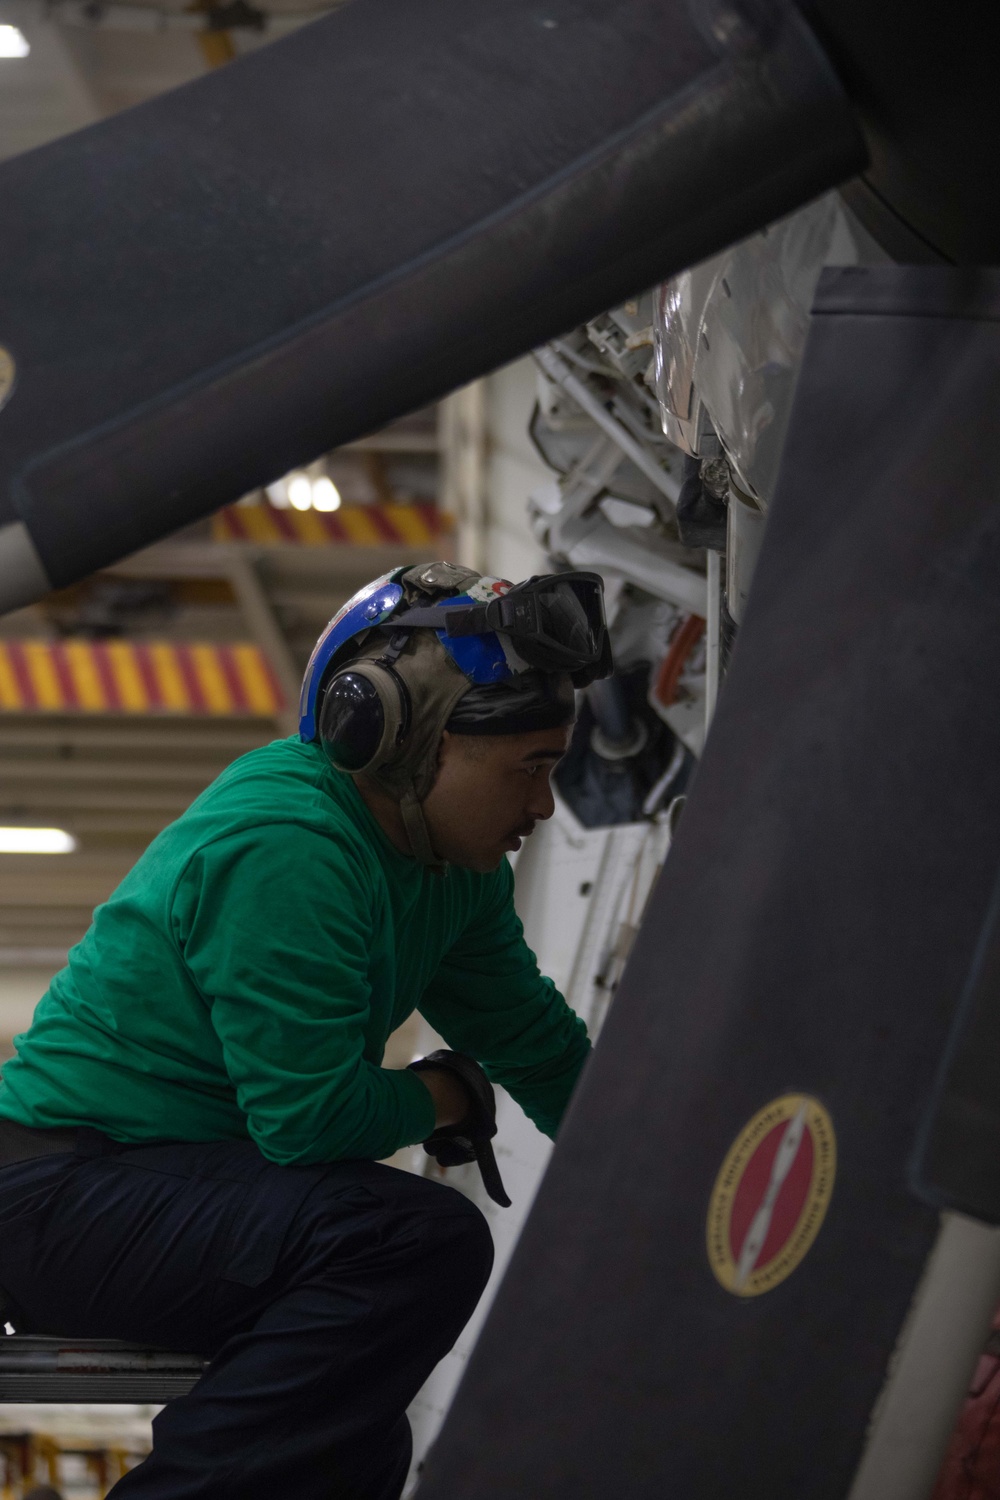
<point x="305" y="1397"/>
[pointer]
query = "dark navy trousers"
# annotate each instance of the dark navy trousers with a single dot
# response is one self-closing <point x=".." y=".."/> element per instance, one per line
<point x="323" y="1297"/>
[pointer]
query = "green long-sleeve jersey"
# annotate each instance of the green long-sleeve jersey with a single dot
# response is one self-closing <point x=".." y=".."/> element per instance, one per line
<point x="244" y="977"/>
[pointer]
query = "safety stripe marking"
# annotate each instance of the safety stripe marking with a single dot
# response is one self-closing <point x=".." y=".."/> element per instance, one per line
<point x="385" y="524"/>
<point x="82" y="676"/>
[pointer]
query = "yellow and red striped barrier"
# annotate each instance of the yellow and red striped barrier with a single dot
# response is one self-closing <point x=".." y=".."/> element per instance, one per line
<point x="418" y="525"/>
<point x="76" y="676"/>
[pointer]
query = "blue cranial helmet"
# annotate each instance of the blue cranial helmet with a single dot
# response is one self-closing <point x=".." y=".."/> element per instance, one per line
<point x="481" y="657"/>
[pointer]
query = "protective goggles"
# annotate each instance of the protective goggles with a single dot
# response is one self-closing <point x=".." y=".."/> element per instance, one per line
<point x="555" y="623"/>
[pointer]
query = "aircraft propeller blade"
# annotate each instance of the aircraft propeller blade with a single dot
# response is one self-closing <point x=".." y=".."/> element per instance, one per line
<point x="210" y="288"/>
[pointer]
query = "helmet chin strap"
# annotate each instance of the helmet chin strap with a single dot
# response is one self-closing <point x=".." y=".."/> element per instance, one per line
<point x="417" y="831"/>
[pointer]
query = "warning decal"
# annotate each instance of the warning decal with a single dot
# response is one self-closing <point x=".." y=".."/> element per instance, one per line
<point x="771" y="1195"/>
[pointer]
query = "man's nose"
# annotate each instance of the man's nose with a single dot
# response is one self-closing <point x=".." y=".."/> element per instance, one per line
<point x="542" y="802"/>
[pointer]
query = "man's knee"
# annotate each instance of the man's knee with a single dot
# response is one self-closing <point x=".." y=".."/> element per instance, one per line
<point x="454" y="1236"/>
<point x="454" y="1264"/>
<point x="398" y="1221"/>
<point x="461" y="1234"/>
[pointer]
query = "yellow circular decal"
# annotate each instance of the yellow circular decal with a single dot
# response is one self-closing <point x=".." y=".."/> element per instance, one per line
<point x="771" y="1195"/>
<point x="8" y="372"/>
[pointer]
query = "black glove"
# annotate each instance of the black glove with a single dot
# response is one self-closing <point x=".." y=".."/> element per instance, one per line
<point x="469" y="1140"/>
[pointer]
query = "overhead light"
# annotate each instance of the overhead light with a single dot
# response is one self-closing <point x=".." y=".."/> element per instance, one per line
<point x="325" y="494"/>
<point x="13" y="42"/>
<point x="36" y="841"/>
<point x="300" y="491"/>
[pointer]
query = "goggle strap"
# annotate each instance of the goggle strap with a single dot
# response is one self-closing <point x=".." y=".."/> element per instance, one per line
<point x="455" y="619"/>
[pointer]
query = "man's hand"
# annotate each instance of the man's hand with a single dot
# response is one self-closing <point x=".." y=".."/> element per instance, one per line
<point x="466" y="1112"/>
<point x="452" y="1100"/>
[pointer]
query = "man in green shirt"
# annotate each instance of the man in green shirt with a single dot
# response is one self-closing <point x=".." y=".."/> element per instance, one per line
<point x="191" y="1130"/>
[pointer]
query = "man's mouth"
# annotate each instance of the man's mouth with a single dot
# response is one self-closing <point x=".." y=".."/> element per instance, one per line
<point x="514" y="840"/>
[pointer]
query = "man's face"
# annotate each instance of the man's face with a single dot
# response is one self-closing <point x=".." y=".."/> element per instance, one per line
<point x="489" y="794"/>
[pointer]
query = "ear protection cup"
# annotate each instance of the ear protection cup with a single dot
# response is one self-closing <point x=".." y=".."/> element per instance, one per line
<point x="363" y="716"/>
